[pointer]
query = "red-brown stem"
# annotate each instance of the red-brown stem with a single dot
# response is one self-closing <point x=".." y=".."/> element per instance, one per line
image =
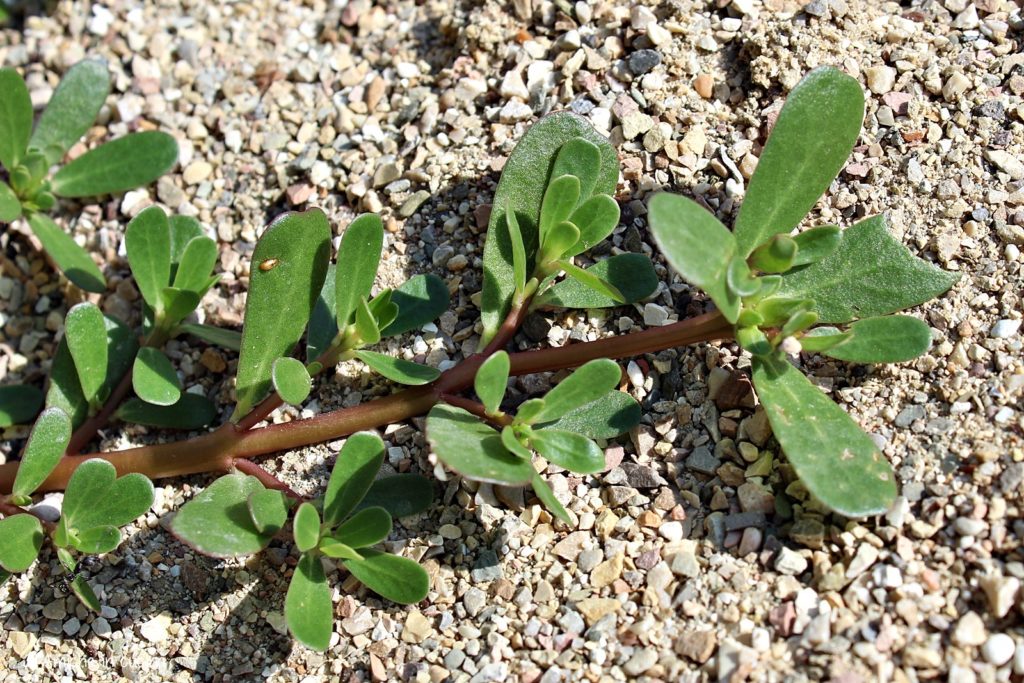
<point x="478" y="409"/>
<point x="266" y="478"/>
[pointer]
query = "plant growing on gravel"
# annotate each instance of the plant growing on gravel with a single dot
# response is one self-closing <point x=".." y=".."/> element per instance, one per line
<point x="822" y="290"/>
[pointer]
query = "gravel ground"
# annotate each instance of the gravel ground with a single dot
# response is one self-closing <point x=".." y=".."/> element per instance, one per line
<point x="696" y="556"/>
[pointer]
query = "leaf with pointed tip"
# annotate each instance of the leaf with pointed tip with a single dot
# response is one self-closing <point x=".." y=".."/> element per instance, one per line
<point x="521" y="189"/>
<point x="358" y="257"/>
<point x="574" y="452"/>
<point x="519" y="263"/>
<point x="229" y="339"/>
<point x="98" y="540"/>
<point x="135" y="160"/>
<point x="71" y="259"/>
<point x="307" y="605"/>
<point x="367" y="527"/>
<point x="354" y="470"/>
<point x="397" y="369"/>
<point x="196" y="264"/>
<point x="591" y="281"/>
<point x="632" y="275"/>
<point x="46" y="444"/>
<point x="292" y="255"/>
<point x="612" y="414"/>
<point x="886" y="339"/>
<point x="334" y="548"/>
<point x="291" y="380"/>
<point x="596" y="218"/>
<point x="491" y="380"/>
<point x="268" y="509"/>
<point x="560" y="199"/>
<point x="323" y="327"/>
<point x="217" y="522"/>
<point x="816" y="243"/>
<point x="19" y="403"/>
<point x="21" y="537"/>
<point x="306" y="527"/>
<point x="512" y="444"/>
<point x="96" y="496"/>
<point x="588" y="383"/>
<point x="547" y="497"/>
<point x="15" y="118"/>
<point x="420" y="300"/>
<point x="398" y="579"/>
<point x="870" y="274"/>
<point x="400" y="494"/>
<point x="474" y="450"/>
<point x="812" y="138"/>
<point x="72" y="108"/>
<point x="837" y="462"/>
<point x="366" y="324"/>
<point x="697" y="245"/>
<point x="191" y="411"/>
<point x="154" y="379"/>
<point x="10" y="205"/>
<point x="86" y="333"/>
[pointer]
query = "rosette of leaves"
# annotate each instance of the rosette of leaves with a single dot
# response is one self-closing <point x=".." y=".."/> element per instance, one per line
<point x="560" y="428"/>
<point x="776" y="287"/>
<point x="237" y="516"/>
<point x="28" y="155"/>
<point x="554" y="202"/>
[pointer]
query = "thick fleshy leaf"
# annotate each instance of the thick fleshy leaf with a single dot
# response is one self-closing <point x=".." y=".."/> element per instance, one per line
<point x="217" y="522"/>
<point x="697" y="245"/>
<point x="135" y="160"/>
<point x="228" y="339"/>
<point x="631" y="274"/>
<point x="519" y="262"/>
<point x="307" y="605"/>
<point x="147" y="240"/>
<point x="398" y="579"/>
<point x="184" y="229"/>
<point x="19" y="403"/>
<point x="367" y="527"/>
<point x="557" y="241"/>
<point x="739" y="278"/>
<point x="358" y="258"/>
<point x="581" y="158"/>
<point x="588" y="383"/>
<point x="574" y="452"/>
<point x="268" y="509"/>
<point x="491" y="380"/>
<point x="10" y="205"/>
<point x="291" y="380"/>
<point x="154" y="379"/>
<point x="816" y="243"/>
<point x="513" y="445"/>
<point x="823" y="338"/>
<point x="306" y="527"/>
<point x="887" y="339"/>
<point x="384" y="312"/>
<point x="420" y="300"/>
<point x="191" y="411"/>
<point x="612" y="414"/>
<point x="196" y="264"/>
<point x="366" y="324"/>
<point x="397" y="369"/>
<point x="86" y="333"/>
<point x="869" y="274"/>
<point x="812" y="138"/>
<point x="71" y="259"/>
<point x="323" y="327"/>
<point x="334" y="548"/>
<point x="596" y="218"/>
<point x="591" y="281"/>
<point x="547" y="497"/>
<point x="72" y="109"/>
<point x="96" y="496"/>
<point x="46" y="444"/>
<point x="178" y="303"/>
<point x="561" y="198"/>
<point x="837" y="462"/>
<point x="84" y="592"/>
<point x="400" y="494"/>
<point x="21" y="537"/>
<point x="354" y="470"/>
<point x="521" y="189"/>
<point x="98" y="540"/>
<point x="289" y="266"/>
<point x="777" y="255"/>
<point x="474" y="450"/>
<point x="15" y="118"/>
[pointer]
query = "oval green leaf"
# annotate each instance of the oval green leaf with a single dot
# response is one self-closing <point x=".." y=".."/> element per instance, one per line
<point x="135" y="160"/>
<point x="291" y="381"/>
<point x="196" y="264"/>
<point x="336" y="549"/>
<point x="306" y="527"/>
<point x="816" y="243"/>
<point x="367" y="527"/>
<point x="307" y="605"/>
<point x="19" y="403"/>
<point x="86" y="334"/>
<point x="474" y="450"/>
<point x="72" y="109"/>
<point x="400" y="494"/>
<point x="358" y="257"/>
<point x="591" y="281"/>
<point x="191" y="411"/>
<point x="398" y="579"/>
<point x="588" y="383"/>
<point x="147" y="240"/>
<point x="10" y="205"/>
<point x="46" y="444"/>
<point x="98" y="540"/>
<point x="397" y="369"/>
<point x="561" y="197"/>
<point x="354" y="470"/>
<point x="887" y="339"/>
<point x="420" y="300"/>
<point x="632" y="275"/>
<point x="610" y="415"/>
<point x="83" y="591"/>
<point x="581" y="158"/>
<point x="268" y="509"/>
<point x="596" y="218"/>
<point x="71" y="259"/>
<point x="574" y="452"/>
<point x="491" y="380"/>
<point x="96" y="497"/>
<point x="15" y="118"/>
<point x="154" y="379"/>
<point x="228" y="339"/>
<point x="217" y="522"/>
<point x="21" y="537"/>
<point x="513" y="445"/>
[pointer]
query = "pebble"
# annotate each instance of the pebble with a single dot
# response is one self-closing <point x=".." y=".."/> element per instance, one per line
<point x="1001" y="592"/>
<point x="1004" y="329"/>
<point x="790" y="562"/>
<point x="417" y="627"/>
<point x="512" y="86"/>
<point x="704" y="84"/>
<point x="641" y="661"/>
<point x="866" y="556"/>
<point x="655" y="315"/>
<point x="606" y="573"/>
<point x="697" y="646"/>
<point x="998" y="649"/>
<point x="671" y="531"/>
<point x="642" y="61"/>
<point x="155" y="630"/>
<point x="197" y="172"/>
<point x="21" y="642"/>
<point x="881" y="79"/>
<point x="1006" y="162"/>
<point x="969" y="630"/>
<point x="514" y="111"/>
<point x="595" y="609"/>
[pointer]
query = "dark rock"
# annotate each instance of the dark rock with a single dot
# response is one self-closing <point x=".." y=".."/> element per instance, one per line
<point x="642" y="61"/>
<point x="742" y="520"/>
<point x="993" y="109"/>
<point x="641" y="476"/>
<point x="536" y="327"/>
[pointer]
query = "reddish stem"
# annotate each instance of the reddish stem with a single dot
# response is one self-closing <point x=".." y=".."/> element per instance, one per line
<point x="266" y="478"/>
<point x="478" y="409"/>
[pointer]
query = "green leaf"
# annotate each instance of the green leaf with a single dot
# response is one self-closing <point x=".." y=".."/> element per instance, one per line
<point x="529" y="410"/>
<point x="217" y="522"/>
<point x="191" y="411"/>
<point x="474" y="450"/>
<point x="869" y="274"/>
<point x="816" y="243"/>
<point x="268" y="509"/>
<point x="98" y="540"/>
<point x="776" y="310"/>
<point x="400" y="494"/>
<point x="358" y="257"/>
<point x="798" y="323"/>
<point x="323" y="327"/>
<point x="290" y="262"/>
<point x="754" y="340"/>
<point x="178" y="303"/>
<point x="367" y="527"/>
<point x="561" y="197"/>
<point x="588" y="383"/>
<point x="307" y="605"/>
<point x="631" y="274"/>
<point x="837" y="462"/>
<point x="887" y="339"/>
<point x="147" y="240"/>
<point x="72" y="109"/>
<point x="812" y="138"/>
<point x="519" y="264"/>
<point x="384" y="312"/>
<point x="228" y="339"/>
<point x="420" y="300"/>
<point x="71" y="259"/>
<point x="547" y="497"/>
<point x="823" y="338"/>
<point x="491" y="380"/>
<point x="610" y="415"/>
<point x="777" y="255"/>
<point x="154" y="379"/>
<point x="15" y="118"/>
<point x="19" y="403"/>
<point x="581" y="158"/>
<point x="739" y="279"/>
<point x="46" y="444"/>
<point x="135" y="160"/>
<point x="291" y="380"/>
<point x="397" y="369"/>
<point x="596" y="218"/>
<point x="306" y="527"/>
<point x="593" y="282"/>
<point x="10" y="205"/>
<point x="83" y="591"/>
<point x="96" y="497"/>
<point x="334" y="548"/>
<point x="697" y="245"/>
<point x="184" y="229"/>
<point x="398" y="579"/>
<point x="521" y="189"/>
<point x="21" y="537"/>
<point x="196" y="264"/>
<point x="4" y="574"/>
<point x="366" y="324"/>
<point x="513" y="445"/>
<point x="354" y="470"/>
<point x="574" y="452"/>
<point x="86" y="334"/>
<point x="559" y="239"/>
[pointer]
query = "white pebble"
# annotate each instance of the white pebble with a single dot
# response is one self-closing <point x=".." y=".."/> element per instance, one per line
<point x="636" y="376"/>
<point x="671" y="531"/>
<point x="998" y="649"/>
<point x="1004" y="329"/>
<point x="655" y="315"/>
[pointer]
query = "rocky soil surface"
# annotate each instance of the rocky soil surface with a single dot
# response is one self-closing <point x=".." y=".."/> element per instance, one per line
<point x="696" y="556"/>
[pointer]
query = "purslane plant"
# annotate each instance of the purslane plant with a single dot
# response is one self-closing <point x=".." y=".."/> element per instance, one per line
<point x="822" y="290"/>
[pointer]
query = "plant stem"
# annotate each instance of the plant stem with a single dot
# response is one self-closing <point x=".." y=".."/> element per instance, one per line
<point x="476" y="408"/>
<point x="266" y="478"/>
